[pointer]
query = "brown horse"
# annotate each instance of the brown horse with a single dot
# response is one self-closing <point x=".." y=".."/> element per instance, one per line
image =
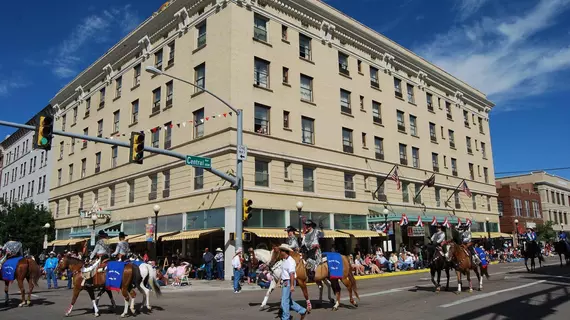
<point x="321" y="276"/>
<point x="461" y="261"/>
<point x="26" y="269"/>
<point x="130" y="280"/>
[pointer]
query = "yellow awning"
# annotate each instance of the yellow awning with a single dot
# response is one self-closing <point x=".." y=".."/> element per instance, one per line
<point x="268" y="233"/>
<point x="329" y="234"/>
<point x="59" y="242"/>
<point x="142" y="238"/>
<point x="191" y="234"/>
<point x="477" y="235"/>
<point x="361" y="233"/>
<point x="76" y="241"/>
<point x="115" y="240"/>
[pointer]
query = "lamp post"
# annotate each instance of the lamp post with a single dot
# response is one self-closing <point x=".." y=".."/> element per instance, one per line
<point x="46" y="227"/>
<point x="488" y="226"/>
<point x="386" y="212"/>
<point x="239" y="161"/>
<point x="516" y="233"/>
<point x="156" y="210"/>
<point x="299" y="209"/>
<point x="94" y="220"/>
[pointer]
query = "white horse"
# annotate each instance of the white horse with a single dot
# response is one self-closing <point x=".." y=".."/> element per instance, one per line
<point x="265" y="257"/>
<point x="148" y="276"/>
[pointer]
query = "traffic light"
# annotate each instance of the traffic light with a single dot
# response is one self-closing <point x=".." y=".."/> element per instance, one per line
<point x="247" y="209"/>
<point x="137" y="147"/>
<point x="44" y="132"/>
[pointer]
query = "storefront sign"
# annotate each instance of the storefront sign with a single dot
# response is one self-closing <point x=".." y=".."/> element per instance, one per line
<point x="149" y="232"/>
<point x="416" y="231"/>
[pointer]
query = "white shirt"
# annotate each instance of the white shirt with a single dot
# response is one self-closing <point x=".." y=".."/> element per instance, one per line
<point x="288" y="266"/>
<point x="236" y="262"/>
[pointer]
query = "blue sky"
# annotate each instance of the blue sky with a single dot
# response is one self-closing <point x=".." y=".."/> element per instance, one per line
<point x="516" y="51"/>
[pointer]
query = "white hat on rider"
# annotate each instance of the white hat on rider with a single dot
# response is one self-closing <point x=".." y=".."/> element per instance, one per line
<point x="285" y="247"/>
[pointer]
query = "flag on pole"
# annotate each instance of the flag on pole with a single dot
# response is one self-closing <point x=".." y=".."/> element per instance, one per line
<point x="434" y="221"/>
<point x="394" y="176"/>
<point x="446" y="223"/>
<point x="404" y="220"/>
<point x="430" y="182"/>
<point x="465" y="189"/>
<point x="468" y="222"/>
<point x="420" y="223"/>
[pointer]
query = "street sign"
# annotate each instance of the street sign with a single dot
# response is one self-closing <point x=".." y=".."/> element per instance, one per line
<point x="242" y="152"/>
<point x="199" y="162"/>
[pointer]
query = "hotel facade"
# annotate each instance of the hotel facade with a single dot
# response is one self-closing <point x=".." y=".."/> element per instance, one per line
<point x="330" y="108"/>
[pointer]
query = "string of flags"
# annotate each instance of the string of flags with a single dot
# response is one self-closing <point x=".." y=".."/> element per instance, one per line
<point x="446" y="223"/>
<point x="420" y="223"/>
<point x="404" y="220"/>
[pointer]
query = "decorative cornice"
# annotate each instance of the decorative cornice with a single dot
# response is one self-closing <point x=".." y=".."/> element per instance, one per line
<point x="80" y="92"/>
<point x="327" y="31"/>
<point x="109" y="73"/>
<point x="388" y="63"/>
<point x="422" y="78"/>
<point x="146" y="46"/>
<point x="183" y="20"/>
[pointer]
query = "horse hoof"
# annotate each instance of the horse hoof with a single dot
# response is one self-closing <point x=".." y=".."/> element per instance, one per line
<point x="470" y="290"/>
<point x="67" y="314"/>
<point x="123" y="315"/>
<point x="334" y="309"/>
<point x="457" y="292"/>
<point x="96" y="315"/>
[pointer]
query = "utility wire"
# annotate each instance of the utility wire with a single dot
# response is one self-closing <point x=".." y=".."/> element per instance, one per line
<point x="527" y="171"/>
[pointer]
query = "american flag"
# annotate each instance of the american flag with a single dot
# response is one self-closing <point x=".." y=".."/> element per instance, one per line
<point x="468" y="222"/>
<point x="420" y="223"/>
<point x="434" y="221"/>
<point x="465" y="189"/>
<point x="394" y="176"/>
<point x="404" y="220"/>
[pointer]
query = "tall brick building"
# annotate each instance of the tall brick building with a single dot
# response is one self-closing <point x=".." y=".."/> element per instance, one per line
<point x="518" y="202"/>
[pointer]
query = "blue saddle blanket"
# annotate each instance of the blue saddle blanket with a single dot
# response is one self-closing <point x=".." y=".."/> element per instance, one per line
<point x="334" y="261"/>
<point x="137" y="262"/>
<point x="9" y="268"/>
<point x="115" y="275"/>
<point x="482" y="256"/>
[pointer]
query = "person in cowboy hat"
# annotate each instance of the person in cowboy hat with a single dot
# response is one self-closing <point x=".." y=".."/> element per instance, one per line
<point x="436" y="242"/>
<point x="292" y="238"/>
<point x="49" y="267"/>
<point x="219" y="258"/>
<point x="12" y="248"/>
<point x="311" y="244"/>
<point x="122" y="251"/>
<point x="288" y="274"/>
<point x="465" y="233"/>
<point x="238" y="271"/>
<point x="101" y="247"/>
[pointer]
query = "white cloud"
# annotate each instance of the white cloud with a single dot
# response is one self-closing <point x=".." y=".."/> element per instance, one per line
<point x="467" y="8"/>
<point x="507" y="58"/>
<point x="94" y="29"/>
<point x="7" y="85"/>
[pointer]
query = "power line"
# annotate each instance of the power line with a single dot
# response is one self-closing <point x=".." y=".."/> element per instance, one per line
<point x="527" y="171"/>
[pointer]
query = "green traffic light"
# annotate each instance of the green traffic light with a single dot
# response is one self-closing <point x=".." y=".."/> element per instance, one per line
<point x="44" y="141"/>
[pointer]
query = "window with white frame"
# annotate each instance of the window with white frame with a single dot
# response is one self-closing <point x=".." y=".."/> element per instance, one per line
<point x="116" y="119"/>
<point x="135" y="111"/>
<point x="308" y="179"/>
<point x="308" y="128"/>
<point x="261" y="173"/>
<point x="518" y="207"/>
<point x="260" y="27"/>
<point x="306" y="88"/>
<point x="261" y="73"/>
<point x="200" y="77"/>
<point x="261" y="121"/>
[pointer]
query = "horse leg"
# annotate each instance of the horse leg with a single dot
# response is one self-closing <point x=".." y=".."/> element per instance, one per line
<point x="146" y="296"/>
<point x="76" y="289"/>
<point x="526" y="264"/>
<point x="126" y="297"/>
<point x="303" y="286"/>
<point x="110" y="294"/>
<point x="30" y="289"/>
<point x="132" y="299"/>
<point x="91" y="292"/>
<point x="272" y="286"/>
<point x="336" y="288"/>
<point x="329" y="289"/>
<point x="22" y="292"/>
<point x="447" y="275"/>
<point x="560" y="256"/>
<point x="6" y="295"/>
<point x="348" y="285"/>
<point x="458" y="273"/>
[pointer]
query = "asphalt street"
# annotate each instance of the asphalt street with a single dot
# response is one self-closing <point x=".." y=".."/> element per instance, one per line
<point x="511" y="293"/>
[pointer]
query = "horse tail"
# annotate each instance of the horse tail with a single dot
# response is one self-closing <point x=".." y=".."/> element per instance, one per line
<point x="152" y="281"/>
<point x="34" y="271"/>
<point x="353" y="282"/>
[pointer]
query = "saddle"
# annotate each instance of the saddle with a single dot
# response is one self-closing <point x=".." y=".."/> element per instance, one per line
<point x="99" y="266"/>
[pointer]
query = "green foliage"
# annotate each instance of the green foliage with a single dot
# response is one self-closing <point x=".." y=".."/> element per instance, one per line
<point x="545" y="232"/>
<point x="25" y="222"/>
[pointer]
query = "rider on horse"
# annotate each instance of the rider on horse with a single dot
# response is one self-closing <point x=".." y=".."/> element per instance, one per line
<point x="437" y="240"/>
<point x="11" y="249"/>
<point x="101" y="250"/>
<point x="466" y="242"/>
<point x="292" y="239"/>
<point x="530" y="237"/>
<point x="122" y="251"/>
<point x="564" y="239"/>
<point x="311" y="244"/>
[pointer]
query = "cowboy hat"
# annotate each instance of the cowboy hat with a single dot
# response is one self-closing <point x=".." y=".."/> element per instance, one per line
<point x="310" y="223"/>
<point x="239" y="250"/>
<point x="285" y="247"/>
<point x="291" y="229"/>
<point x="52" y="253"/>
<point x="122" y="235"/>
<point x="219" y="250"/>
<point x="103" y="234"/>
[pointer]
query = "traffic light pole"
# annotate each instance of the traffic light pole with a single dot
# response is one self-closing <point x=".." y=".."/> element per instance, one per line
<point x="239" y="178"/>
<point x="227" y="177"/>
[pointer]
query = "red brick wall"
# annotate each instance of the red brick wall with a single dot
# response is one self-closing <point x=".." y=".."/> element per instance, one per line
<point x="507" y="194"/>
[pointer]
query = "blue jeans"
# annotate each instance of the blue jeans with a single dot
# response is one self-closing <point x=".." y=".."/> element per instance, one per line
<point x="51" y="277"/>
<point x="237" y="278"/>
<point x="209" y="270"/>
<point x="69" y="278"/>
<point x="287" y="302"/>
<point x="220" y="267"/>
<point x="264" y="285"/>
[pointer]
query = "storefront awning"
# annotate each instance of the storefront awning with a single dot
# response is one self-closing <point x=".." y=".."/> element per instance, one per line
<point x="59" y="243"/>
<point x="268" y="233"/>
<point x="141" y="239"/>
<point x="361" y="233"/>
<point x="76" y="241"/>
<point x="396" y="215"/>
<point x="477" y="235"/>
<point x="108" y="227"/>
<point x="115" y="240"/>
<point x="330" y="234"/>
<point x="191" y="234"/>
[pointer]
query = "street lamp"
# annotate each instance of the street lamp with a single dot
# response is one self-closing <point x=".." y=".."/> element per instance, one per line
<point x="488" y="226"/>
<point x="299" y="208"/>
<point x="46" y="227"/>
<point x="94" y="220"/>
<point x="156" y="210"/>
<point x="386" y="212"/>
<point x="516" y="232"/>
<point x="239" y="159"/>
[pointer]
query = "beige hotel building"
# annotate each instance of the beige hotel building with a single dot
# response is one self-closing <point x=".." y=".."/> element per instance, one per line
<point x="330" y="107"/>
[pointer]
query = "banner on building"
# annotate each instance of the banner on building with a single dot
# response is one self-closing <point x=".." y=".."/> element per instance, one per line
<point x="416" y="231"/>
<point x="149" y="232"/>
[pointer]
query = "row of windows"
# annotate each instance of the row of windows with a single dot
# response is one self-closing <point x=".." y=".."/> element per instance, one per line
<point x="11" y="176"/>
<point x="22" y="193"/>
<point x="557" y="198"/>
<point x="15" y="154"/>
<point x="558" y="217"/>
<point x="519" y="212"/>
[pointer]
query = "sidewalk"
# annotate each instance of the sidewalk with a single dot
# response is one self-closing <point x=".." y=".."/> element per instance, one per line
<point x="227" y="285"/>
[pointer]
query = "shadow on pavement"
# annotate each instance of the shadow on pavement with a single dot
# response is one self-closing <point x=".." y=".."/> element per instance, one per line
<point x="13" y="303"/>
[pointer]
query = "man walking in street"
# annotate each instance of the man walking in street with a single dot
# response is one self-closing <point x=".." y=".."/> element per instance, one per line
<point x="219" y="258"/>
<point x="236" y="265"/>
<point x="288" y="274"/>
<point x="208" y="258"/>
<point x="51" y="264"/>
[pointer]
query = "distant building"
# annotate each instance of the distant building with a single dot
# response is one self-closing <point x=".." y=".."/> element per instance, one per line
<point x="25" y="172"/>
<point x="554" y="195"/>
<point x="518" y="202"/>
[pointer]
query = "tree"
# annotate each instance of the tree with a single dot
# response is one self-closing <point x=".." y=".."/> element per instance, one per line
<point x="26" y="222"/>
<point x="545" y="232"/>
